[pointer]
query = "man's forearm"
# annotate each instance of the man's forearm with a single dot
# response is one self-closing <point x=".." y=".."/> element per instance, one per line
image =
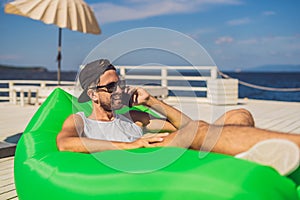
<point x="87" y="145"/>
<point x="177" y="118"/>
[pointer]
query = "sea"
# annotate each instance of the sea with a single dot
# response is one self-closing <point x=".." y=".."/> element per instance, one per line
<point x="267" y="79"/>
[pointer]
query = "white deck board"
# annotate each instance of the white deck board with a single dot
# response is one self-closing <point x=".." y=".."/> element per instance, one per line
<point x="14" y="118"/>
<point x="7" y="185"/>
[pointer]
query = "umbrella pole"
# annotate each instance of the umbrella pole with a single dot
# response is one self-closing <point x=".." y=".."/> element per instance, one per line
<point x="59" y="56"/>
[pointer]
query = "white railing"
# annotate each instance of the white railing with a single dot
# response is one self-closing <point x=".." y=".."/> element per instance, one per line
<point x="40" y="88"/>
<point x="171" y="73"/>
<point x="163" y="75"/>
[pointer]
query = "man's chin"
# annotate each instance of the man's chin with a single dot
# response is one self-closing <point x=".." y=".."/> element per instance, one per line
<point x="116" y="105"/>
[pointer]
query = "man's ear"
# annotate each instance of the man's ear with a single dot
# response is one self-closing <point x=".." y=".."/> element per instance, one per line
<point x="92" y="95"/>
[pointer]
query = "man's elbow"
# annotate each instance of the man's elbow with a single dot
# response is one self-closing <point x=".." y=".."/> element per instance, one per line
<point x="64" y="144"/>
<point x="69" y="144"/>
<point x="60" y="143"/>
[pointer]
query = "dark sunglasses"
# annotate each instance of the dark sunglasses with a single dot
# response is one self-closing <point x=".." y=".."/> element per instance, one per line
<point x="111" y="87"/>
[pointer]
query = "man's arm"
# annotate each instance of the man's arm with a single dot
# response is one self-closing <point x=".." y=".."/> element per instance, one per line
<point x="149" y="122"/>
<point x="174" y="116"/>
<point x="69" y="140"/>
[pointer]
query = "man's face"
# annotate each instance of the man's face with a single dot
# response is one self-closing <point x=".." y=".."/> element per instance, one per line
<point x="110" y="100"/>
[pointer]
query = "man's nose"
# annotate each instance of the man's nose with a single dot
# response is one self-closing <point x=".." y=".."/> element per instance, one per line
<point x="118" y="90"/>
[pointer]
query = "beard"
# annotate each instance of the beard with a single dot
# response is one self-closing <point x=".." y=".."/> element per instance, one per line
<point x="116" y="101"/>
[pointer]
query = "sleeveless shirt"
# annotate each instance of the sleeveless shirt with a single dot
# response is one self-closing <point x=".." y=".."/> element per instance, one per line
<point x="120" y="129"/>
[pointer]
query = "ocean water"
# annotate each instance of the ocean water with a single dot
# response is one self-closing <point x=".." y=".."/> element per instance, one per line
<point x="276" y="80"/>
<point x="273" y="80"/>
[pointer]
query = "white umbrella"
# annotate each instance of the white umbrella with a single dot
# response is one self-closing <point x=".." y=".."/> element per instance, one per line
<point x="72" y="14"/>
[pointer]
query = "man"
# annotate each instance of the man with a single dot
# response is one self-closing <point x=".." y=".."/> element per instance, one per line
<point x="105" y="130"/>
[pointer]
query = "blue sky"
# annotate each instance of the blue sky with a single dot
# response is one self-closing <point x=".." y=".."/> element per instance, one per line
<point x="237" y="34"/>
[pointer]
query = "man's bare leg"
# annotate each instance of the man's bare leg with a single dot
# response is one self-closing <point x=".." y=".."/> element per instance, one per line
<point x="241" y="117"/>
<point x="237" y="117"/>
<point x="234" y="139"/>
<point x="238" y="136"/>
<point x="227" y="139"/>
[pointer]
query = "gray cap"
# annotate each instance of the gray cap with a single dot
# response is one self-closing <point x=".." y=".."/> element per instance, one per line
<point x="90" y="73"/>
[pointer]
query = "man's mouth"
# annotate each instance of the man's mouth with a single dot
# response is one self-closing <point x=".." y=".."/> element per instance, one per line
<point x="116" y="97"/>
<point x="116" y="100"/>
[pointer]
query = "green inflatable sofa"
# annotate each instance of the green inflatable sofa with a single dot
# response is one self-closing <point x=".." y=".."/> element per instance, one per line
<point x="43" y="172"/>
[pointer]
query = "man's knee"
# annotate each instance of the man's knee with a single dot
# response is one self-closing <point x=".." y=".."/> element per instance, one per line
<point x="240" y="117"/>
<point x="247" y="117"/>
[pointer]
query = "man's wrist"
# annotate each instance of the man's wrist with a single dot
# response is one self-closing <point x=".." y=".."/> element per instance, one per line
<point x="121" y="145"/>
<point x="151" y="101"/>
<point x="125" y="145"/>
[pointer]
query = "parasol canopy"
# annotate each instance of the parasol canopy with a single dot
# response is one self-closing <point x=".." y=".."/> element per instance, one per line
<point x="75" y="15"/>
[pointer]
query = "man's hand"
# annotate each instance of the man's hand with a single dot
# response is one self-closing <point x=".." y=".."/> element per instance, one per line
<point x="148" y="140"/>
<point x="135" y="96"/>
<point x="140" y="96"/>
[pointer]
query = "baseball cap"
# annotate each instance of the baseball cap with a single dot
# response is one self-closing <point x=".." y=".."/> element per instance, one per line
<point x="90" y="73"/>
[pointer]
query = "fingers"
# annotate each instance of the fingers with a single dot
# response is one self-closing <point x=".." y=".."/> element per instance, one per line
<point x="157" y="144"/>
<point x="149" y="135"/>
<point x="127" y="96"/>
<point x="153" y="140"/>
<point x="137" y="95"/>
<point x="135" y="99"/>
<point x="130" y="90"/>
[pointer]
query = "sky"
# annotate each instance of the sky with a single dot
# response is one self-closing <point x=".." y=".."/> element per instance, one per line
<point x="237" y="34"/>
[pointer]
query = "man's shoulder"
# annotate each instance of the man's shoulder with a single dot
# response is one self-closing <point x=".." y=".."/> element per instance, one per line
<point x="78" y="114"/>
<point x="76" y="118"/>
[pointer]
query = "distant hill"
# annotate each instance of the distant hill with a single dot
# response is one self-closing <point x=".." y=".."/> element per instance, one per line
<point x="274" y="68"/>
<point x="27" y="68"/>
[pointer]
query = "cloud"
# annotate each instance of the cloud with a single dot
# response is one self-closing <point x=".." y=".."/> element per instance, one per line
<point x="248" y="41"/>
<point x="288" y="41"/>
<point x="268" y="13"/>
<point x="107" y="12"/>
<point x="224" y="39"/>
<point x="200" y="32"/>
<point x="237" y="22"/>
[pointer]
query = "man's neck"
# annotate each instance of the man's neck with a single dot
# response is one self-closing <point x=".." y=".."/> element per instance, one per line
<point x="100" y="114"/>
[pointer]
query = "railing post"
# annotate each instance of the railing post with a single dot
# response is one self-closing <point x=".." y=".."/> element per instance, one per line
<point x="214" y="73"/>
<point x="164" y="80"/>
<point x="43" y="84"/>
<point x="164" y="74"/>
<point x="122" y="72"/>
<point x="11" y="92"/>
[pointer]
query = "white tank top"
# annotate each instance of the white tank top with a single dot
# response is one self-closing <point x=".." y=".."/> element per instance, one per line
<point x="120" y="129"/>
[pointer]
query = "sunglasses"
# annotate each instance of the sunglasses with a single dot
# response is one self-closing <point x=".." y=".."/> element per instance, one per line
<point x="111" y="87"/>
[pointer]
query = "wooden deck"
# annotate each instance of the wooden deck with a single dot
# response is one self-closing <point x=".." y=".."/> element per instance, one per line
<point x="274" y="115"/>
<point x="14" y="118"/>
<point x="7" y="185"/>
